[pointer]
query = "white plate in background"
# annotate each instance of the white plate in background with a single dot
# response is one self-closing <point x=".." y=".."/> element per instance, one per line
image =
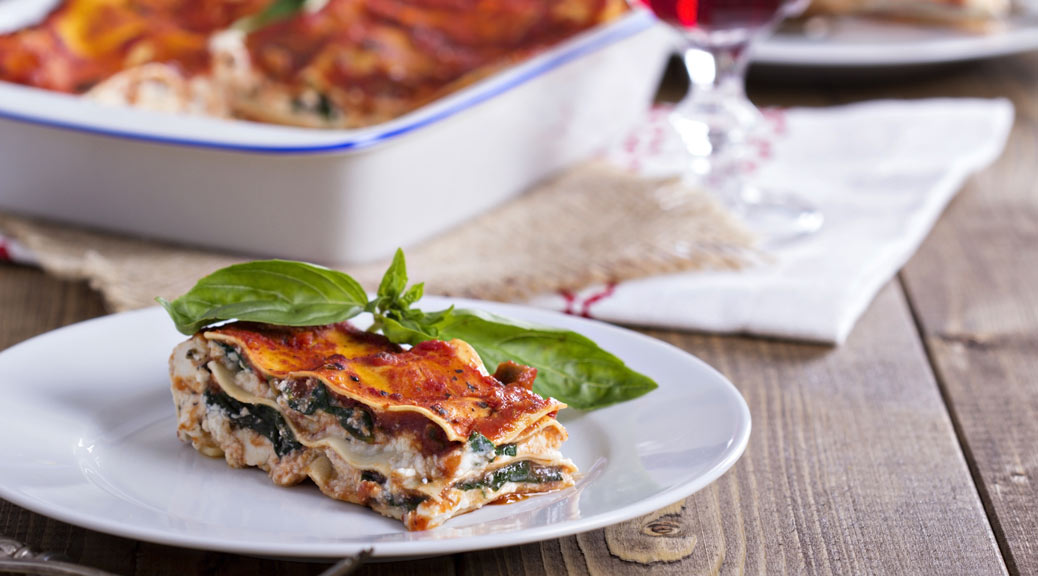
<point x="854" y="42"/>
<point x="89" y="430"/>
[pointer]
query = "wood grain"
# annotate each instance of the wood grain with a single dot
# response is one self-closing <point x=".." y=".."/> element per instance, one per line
<point x="662" y="536"/>
<point x="852" y="468"/>
<point x="32" y="303"/>
<point x="973" y="288"/>
<point x="157" y="560"/>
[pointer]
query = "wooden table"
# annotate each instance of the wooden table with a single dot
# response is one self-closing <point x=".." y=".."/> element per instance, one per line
<point x="912" y="449"/>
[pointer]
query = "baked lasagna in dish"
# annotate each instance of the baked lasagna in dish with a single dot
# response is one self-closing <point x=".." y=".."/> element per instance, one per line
<point x="83" y="42"/>
<point x="421" y="434"/>
<point x="333" y="64"/>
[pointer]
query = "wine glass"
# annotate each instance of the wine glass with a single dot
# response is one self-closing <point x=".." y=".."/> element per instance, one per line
<point x="716" y="118"/>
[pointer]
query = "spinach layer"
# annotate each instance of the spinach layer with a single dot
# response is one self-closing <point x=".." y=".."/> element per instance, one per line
<point x="261" y="419"/>
<point x="480" y="444"/>
<point x="357" y="421"/>
<point x="407" y="502"/>
<point x="515" y="472"/>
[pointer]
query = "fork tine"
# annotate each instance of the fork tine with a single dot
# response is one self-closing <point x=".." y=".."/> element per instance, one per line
<point x="347" y="565"/>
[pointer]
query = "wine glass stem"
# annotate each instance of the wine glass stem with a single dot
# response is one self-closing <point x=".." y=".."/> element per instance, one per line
<point x="716" y="71"/>
<point x="715" y="117"/>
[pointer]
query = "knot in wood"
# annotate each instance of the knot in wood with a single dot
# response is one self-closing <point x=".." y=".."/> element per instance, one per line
<point x="663" y="527"/>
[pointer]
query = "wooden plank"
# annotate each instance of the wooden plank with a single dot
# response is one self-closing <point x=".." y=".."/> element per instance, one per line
<point x="972" y="286"/>
<point x="86" y="547"/>
<point x="156" y="560"/>
<point x="32" y="303"/>
<point x="852" y="468"/>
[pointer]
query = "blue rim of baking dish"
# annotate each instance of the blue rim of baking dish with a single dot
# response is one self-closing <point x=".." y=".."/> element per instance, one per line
<point x="637" y="22"/>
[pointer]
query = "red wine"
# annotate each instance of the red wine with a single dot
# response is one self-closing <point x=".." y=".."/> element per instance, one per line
<point x="715" y="14"/>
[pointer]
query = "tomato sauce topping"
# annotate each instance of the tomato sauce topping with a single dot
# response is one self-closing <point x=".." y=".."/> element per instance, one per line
<point x="83" y="42"/>
<point x="442" y="380"/>
<point x="362" y="54"/>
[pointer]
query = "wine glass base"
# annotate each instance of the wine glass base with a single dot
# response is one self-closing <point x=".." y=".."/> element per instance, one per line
<point x="776" y="217"/>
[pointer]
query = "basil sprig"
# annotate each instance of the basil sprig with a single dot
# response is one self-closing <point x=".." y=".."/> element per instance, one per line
<point x="570" y="367"/>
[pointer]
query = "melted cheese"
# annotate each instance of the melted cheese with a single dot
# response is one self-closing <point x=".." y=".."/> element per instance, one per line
<point x="443" y="381"/>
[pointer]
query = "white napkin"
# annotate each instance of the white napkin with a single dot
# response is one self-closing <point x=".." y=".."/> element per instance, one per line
<point x="881" y="173"/>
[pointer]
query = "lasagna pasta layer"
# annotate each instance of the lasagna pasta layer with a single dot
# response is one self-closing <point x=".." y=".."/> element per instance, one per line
<point x="421" y="435"/>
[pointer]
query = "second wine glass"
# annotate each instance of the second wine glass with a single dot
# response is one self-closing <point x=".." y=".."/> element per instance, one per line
<point x="716" y="119"/>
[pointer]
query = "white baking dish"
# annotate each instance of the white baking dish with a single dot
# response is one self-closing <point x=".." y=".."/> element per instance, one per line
<point x="327" y="196"/>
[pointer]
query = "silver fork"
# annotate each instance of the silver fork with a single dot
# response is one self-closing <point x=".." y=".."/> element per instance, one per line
<point x="18" y="558"/>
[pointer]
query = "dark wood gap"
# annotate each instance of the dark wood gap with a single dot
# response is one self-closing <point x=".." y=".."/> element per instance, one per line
<point x="960" y="436"/>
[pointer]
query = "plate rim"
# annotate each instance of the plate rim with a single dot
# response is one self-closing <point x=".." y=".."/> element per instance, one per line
<point x="414" y="548"/>
<point x="799" y="51"/>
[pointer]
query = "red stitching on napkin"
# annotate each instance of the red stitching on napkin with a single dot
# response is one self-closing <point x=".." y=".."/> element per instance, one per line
<point x="585" y="306"/>
<point x="4" y="254"/>
<point x="777" y="118"/>
<point x="570" y="299"/>
<point x="656" y="140"/>
<point x="762" y="146"/>
<point x="586" y="303"/>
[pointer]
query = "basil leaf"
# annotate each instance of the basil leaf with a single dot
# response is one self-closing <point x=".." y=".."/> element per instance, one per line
<point x="413" y="326"/>
<point x="392" y="310"/>
<point x="394" y="280"/>
<point x="276" y="11"/>
<point x="570" y="367"/>
<point x="398" y="332"/>
<point x="413" y="294"/>
<point x="269" y="291"/>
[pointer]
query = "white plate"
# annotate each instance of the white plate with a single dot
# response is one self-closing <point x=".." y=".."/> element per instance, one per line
<point x="88" y="427"/>
<point x="852" y="42"/>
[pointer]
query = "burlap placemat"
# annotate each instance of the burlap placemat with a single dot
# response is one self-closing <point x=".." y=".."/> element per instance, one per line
<point x="593" y="224"/>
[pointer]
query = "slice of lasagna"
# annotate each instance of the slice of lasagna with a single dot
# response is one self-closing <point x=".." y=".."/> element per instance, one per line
<point x="422" y="434"/>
